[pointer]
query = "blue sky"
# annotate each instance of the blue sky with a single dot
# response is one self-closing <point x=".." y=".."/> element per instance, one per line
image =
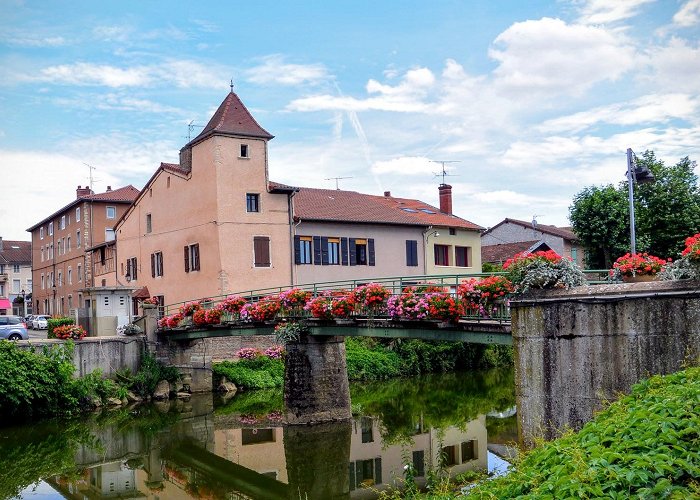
<point x="532" y="100"/>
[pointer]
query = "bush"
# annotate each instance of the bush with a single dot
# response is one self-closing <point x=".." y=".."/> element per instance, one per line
<point x="152" y="371"/>
<point x="55" y="322"/>
<point x="366" y="361"/>
<point x="260" y="372"/>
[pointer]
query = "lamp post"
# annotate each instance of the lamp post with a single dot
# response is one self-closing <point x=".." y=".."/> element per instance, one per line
<point x="24" y="303"/>
<point x="640" y="175"/>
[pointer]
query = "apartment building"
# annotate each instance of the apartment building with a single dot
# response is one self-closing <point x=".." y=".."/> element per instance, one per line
<point x="15" y="277"/>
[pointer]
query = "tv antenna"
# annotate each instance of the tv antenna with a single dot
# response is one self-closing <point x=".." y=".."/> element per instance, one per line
<point x="190" y="128"/>
<point x="336" y="181"/>
<point x="534" y="219"/>
<point x="443" y="173"/>
<point x="92" y="180"/>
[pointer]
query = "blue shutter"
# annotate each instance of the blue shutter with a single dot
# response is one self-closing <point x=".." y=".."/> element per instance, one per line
<point x="317" y="250"/>
<point x="297" y="250"/>
<point x="353" y="251"/>
<point x="344" y="251"/>
<point x="324" y="250"/>
<point x="370" y="251"/>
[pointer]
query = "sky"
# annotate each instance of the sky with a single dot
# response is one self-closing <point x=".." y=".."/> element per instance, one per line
<point x="528" y="102"/>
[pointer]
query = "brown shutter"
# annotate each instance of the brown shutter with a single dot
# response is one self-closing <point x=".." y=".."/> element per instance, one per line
<point x="134" y="266"/>
<point x="196" y="257"/>
<point x="153" y="265"/>
<point x="261" y="249"/>
<point x="187" y="259"/>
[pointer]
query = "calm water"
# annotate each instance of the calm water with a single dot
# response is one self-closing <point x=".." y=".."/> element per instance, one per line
<point x="237" y="449"/>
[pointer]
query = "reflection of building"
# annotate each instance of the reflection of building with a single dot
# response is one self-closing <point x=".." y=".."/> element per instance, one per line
<point x="109" y="480"/>
<point x="261" y="450"/>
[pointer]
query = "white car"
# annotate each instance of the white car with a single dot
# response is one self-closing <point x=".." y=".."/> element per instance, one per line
<point x="40" y="322"/>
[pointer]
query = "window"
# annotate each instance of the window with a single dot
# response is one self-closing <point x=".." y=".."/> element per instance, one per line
<point x="419" y="462"/>
<point x="109" y="234"/>
<point x="244" y="151"/>
<point x="361" y="252"/>
<point x="50" y="228"/>
<point x="149" y="228"/>
<point x="302" y="250"/>
<point x="60" y="278"/>
<point x="70" y="276"/>
<point x="449" y="455"/>
<point x="41" y="233"/>
<point x="442" y="255"/>
<point x="333" y="251"/>
<point x="15" y="268"/>
<point x="2" y="268"/>
<point x="261" y="251"/>
<point x="132" y="268"/>
<point x="366" y="429"/>
<point x="463" y="256"/>
<point x="470" y="450"/>
<point x="192" y="257"/>
<point x="411" y="253"/>
<point x="62" y="225"/>
<point x="59" y="247"/>
<point x="252" y="202"/>
<point x="42" y="281"/>
<point x="111" y="212"/>
<point x="15" y="286"/>
<point x="51" y="251"/>
<point x="80" y="273"/>
<point x="157" y="264"/>
<point x="77" y="214"/>
<point x="42" y="254"/>
<point x="77" y="239"/>
<point x="453" y="231"/>
<point x="68" y="244"/>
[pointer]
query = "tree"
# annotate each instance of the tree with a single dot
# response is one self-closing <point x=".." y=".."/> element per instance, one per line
<point x="600" y="218"/>
<point x="666" y="211"/>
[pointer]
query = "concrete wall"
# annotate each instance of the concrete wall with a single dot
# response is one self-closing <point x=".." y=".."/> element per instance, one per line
<point x="576" y="349"/>
<point x="109" y="354"/>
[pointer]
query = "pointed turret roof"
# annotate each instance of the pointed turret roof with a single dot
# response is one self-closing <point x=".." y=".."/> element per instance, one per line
<point x="232" y="118"/>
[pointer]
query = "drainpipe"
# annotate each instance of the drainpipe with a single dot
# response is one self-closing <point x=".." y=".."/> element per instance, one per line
<point x="425" y="249"/>
<point x="292" y="233"/>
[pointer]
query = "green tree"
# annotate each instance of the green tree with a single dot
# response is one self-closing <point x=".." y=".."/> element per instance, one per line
<point x="668" y="209"/>
<point x="600" y="218"/>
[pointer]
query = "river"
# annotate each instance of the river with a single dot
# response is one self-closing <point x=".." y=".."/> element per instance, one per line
<point x="213" y="449"/>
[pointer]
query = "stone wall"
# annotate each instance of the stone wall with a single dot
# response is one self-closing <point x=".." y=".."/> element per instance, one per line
<point x="576" y="349"/>
<point x="109" y="354"/>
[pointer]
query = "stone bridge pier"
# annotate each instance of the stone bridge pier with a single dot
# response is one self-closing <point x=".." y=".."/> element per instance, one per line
<point x="578" y="348"/>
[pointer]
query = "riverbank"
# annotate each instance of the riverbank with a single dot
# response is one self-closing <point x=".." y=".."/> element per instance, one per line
<point x="644" y="445"/>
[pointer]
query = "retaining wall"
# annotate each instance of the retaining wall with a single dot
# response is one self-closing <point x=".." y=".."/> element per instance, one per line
<point x="576" y="349"/>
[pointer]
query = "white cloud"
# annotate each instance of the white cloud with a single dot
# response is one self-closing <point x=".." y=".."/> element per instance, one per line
<point x="549" y="55"/>
<point x="675" y="66"/>
<point x="609" y="11"/>
<point x="407" y="165"/>
<point x="116" y="102"/>
<point x="30" y="40"/>
<point x="274" y="70"/>
<point x="688" y="14"/>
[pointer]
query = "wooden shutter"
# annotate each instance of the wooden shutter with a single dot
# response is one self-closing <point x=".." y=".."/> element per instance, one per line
<point x="297" y="250"/>
<point x="370" y="251"/>
<point x="153" y="265"/>
<point x="261" y="249"/>
<point x="353" y="251"/>
<point x="134" y="266"/>
<point x="187" y="259"/>
<point x="324" y="250"/>
<point x="195" y="265"/>
<point x="344" y="251"/>
<point x="317" y="250"/>
<point x="411" y="253"/>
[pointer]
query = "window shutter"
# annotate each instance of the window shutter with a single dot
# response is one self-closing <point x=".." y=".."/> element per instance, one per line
<point x="344" y="251"/>
<point x="297" y="250"/>
<point x="128" y="267"/>
<point x="370" y="251"/>
<point x="378" y="470"/>
<point x="317" y="250"/>
<point x="134" y="266"/>
<point x="196" y="257"/>
<point x="187" y="259"/>
<point x="409" y="253"/>
<point x="353" y="251"/>
<point x="324" y="251"/>
<point x="153" y="265"/>
<point x="261" y="249"/>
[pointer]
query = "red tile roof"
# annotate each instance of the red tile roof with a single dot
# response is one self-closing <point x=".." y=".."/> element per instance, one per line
<point x="544" y="228"/>
<point x="350" y="206"/>
<point x="173" y="168"/>
<point x="126" y="194"/>
<point x="232" y="118"/>
<point x="16" y="252"/>
<point x="504" y="251"/>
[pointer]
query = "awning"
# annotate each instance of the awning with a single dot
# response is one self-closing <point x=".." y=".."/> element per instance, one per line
<point x="5" y="304"/>
<point x="141" y="293"/>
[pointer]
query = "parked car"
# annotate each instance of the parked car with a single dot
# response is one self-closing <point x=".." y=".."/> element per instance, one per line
<point x="28" y="320"/>
<point x="40" y="322"/>
<point x="13" y="328"/>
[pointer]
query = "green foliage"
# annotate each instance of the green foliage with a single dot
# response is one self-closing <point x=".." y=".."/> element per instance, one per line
<point x="54" y="322"/>
<point x="488" y="267"/>
<point x="258" y="403"/>
<point x="666" y="212"/>
<point x="646" y="445"/>
<point x="369" y="361"/>
<point x="258" y="373"/>
<point x="151" y="372"/>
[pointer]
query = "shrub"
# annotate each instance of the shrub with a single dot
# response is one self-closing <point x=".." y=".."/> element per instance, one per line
<point x="261" y="372"/>
<point x="151" y="372"/>
<point x="65" y="332"/>
<point x="543" y="270"/>
<point x="55" y="322"/>
<point x="370" y="363"/>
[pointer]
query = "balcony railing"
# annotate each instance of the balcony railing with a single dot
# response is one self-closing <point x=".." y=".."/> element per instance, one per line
<point x="4" y="277"/>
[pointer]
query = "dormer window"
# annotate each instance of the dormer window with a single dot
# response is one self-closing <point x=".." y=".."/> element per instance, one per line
<point x="244" y="151"/>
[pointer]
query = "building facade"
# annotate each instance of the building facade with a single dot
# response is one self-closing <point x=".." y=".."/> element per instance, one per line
<point x="15" y="277"/>
<point x="63" y="256"/>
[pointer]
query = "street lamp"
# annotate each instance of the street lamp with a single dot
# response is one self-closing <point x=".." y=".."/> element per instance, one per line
<point x="24" y="303"/>
<point x="640" y="175"/>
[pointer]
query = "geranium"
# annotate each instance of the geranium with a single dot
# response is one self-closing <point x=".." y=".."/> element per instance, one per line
<point x="65" y="332"/>
<point x="203" y="317"/>
<point x="275" y="352"/>
<point x="152" y="300"/>
<point x="494" y="287"/>
<point x="249" y="353"/>
<point x="409" y="305"/>
<point x="470" y="295"/>
<point x="342" y="305"/>
<point x="637" y="264"/>
<point x="232" y="305"/>
<point x="321" y="306"/>
<point x="189" y="308"/>
<point x="373" y="296"/>
<point x="692" y="248"/>
<point x="542" y="270"/>
<point x="294" y="298"/>
<point x="522" y="259"/>
<point x="264" y="310"/>
<point x="442" y="305"/>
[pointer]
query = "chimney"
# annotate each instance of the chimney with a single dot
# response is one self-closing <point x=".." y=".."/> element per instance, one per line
<point x="186" y="159"/>
<point x="109" y="188"/>
<point x="445" y="198"/>
<point x="1" y="249"/>
<point x="82" y="191"/>
<point x="387" y="194"/>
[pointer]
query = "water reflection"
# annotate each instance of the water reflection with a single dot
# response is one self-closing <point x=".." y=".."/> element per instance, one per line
<point x="240" y="450"/>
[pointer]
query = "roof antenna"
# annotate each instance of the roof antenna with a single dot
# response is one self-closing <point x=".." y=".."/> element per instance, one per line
<point x="336" y="181"/>
<point x="444" y="173"/>
<point x="534" y="220"/>
<point x="190" y="127"/>
<point x="92" y="180"/>
<point x="231" y="84"/>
